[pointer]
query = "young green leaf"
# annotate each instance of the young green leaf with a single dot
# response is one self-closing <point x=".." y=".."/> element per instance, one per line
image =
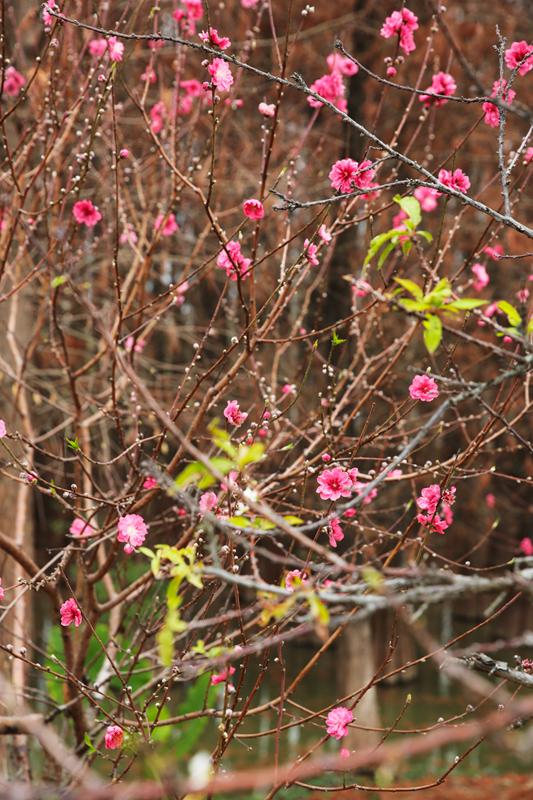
<point x="432" y="332"/>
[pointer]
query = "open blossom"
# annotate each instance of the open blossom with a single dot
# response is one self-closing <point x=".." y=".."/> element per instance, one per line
<point x="494" y="252"/>
<point x="46" y="16"/>
<point x="455" y="180"/>
<point x="222" y="677"/>
<point x="441" y="83"/>
<point x="85" y="213"/>
<point x="334" y="483"/>
<point x="517" y="53"/>
<point x="232" y="260"/>
<point x="335" y="532"/>
<point x="158" y="113"/>
<point x="310" y="252"/>
<point x="116" y="49"/>
<point x="113" y="737"/>
<point x="429" y="498"/>
<point x="337" y="722"/>
<point x="3" y="429"/>
<point x="347" y="174"/>
<point x="324" y="234"/>
<point x="253" y="209"/>
<point x="13" y="82"/>
<point x="482" y="278"/>
<point x="150" y="483"/>
<point x="294" y="579"/>
<point x="423" y="388"/>
<point x="492" y="112"/>
<point x="433" y="522"/>
<point x="97" y="47"/>
<point x="132" y="530"/>
<point x="427" y="197"/>
<point x="213" y="37"/>
<point x="168" y="224"/>
<point x="233" y="413"/>
<point x="342" y="64"/>
<point x="70" y="613"/>
<point x="331" y="88"/>
<point x="403" y="24"/>
<point x="78" y="527"/>
<point x="220" y="74"/>
<point x="267" y="109"/>
<point x="208" y="501"/>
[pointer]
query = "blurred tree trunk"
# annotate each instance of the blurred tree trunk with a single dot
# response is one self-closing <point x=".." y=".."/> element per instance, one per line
<point x="356" y="668"/>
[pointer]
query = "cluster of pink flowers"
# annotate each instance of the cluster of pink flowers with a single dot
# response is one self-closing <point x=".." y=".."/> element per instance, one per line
<point x="232" y="260"/>
<point x="113" y="47"/>
<point x="13" y="82"/>
<point x="346" y="175"/>
<point x="167" y="225"/>
<point x="221" y="76"/>
<point x="132" y="531"/>
<point x="70" y="613"/>
<point x="441" y="83"/>
<point x="253" y="209"/>
<point x="402" y="24"/>
<point x="492" y="112"/>
<point x="47" y="18"/>
<point x="233" y="413"/>
<point x="423" y="388"/>
<point x="212" y="37"/>
<point x="457" y="180"/>
<point x="517" y="53"/>
<point x="113" y="738"/>
<point x="429" y="499"/>
<point x="85" y="213"/>
<point x="188" y="17"/>
<point x="331" y="85"/>
<point x="294" y="579"/>
<point x="337" y="722"/>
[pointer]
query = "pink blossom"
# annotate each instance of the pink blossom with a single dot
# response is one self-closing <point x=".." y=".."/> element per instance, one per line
<point x="132" y="530"/>
<point x="232" y="260"/>
<point x="124" y="152"/>
<point x="331" y="88"/>
<point x="391" y="71"/>
<point x="78" y="527"/>
<point x="97" y="47"/>
<point x="492" y="112"/>
<point x="522" y="295"/>
<point x="158" y="113"/>
<point x="344" y="752"/>
<point x="29" y="477"/>
<point x="2" y="590"/>
<point x="213" y="37"/>
<point x="3" y="429"/>
<point x="194" y="9"/>
<point x="267" y="109"/>
<point x="494" y="252"/>
<point x="149" y="75"/>
<point x="220" y="74"/>
<point x="490" y="500"/>
<point x="253" y="209"/>
<point x="294" y="579"/>
<point x="429" y="498"/>
<point x="222" y="677"/>
<point x="132" y="345"/>
<point x="526" y="546"/>
<point x="208" y="501"/>
<point x="334" y="483"/>
<point x="447" y="513"/>
<point x="116" y="49"/>
<point x="288" y="388"/>
<point x="337" y="722"/>
<point x="403" y="24"/>
<point x="13" y="82"/>
<point x="46" y="16"/>
<point x="233" y="413"/>
<point x="433" y="521"/>
<point x="347" y="174"/>
<point x="324" y="234"/>
<point x="427" y="197"/>
<point x="528" y="155"/>
<point x="335" y="532"/>
<point x="441" y="83"/>
<point x="168" y="224"/>
<point x="150" y="483"/>
<point x="482" y="277"/>
<point x="517" y="53"/>
<point x="128" y="235"/>
<point x="113" y="737"/>
<point x="192" y="87"/>
<point x="423" y="388"/>
<point x="249" y="3"/>
<point x="456" y="180"/>
<point x="448" y="495"/>
<point x="339" y="63"/>
<point x="70" y="613"/>
<point x="310" y="252"/>
<point x="86" y="213"/>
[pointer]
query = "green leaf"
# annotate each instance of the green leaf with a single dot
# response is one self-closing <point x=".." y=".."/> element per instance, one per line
<point x="385" y="253"/>
<point x="240" y="522"/>
<point x="250" y="455"/>
<point x="530" y="325"/>
<point x="73" y="443"/>
<point x="411" y="206"/>
<point x="510" y="311"/>
<point x="466" y="304"/>
<point x="425" y="235"/>
<point x="293" y="520"/>
<point x="90" y="745"/>
<point x="336" y="340"/>
<point x="377" y="243"/>
<point x="413" y="305"/>
<point x="406" y="247"/>
<point x="411" y="287"/>
<point x="59" y="280"/>
<point x="432" y="332"/>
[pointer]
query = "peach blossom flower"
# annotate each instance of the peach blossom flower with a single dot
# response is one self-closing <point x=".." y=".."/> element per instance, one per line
<point x="70" y="613"/>
<point x="113" y="737"/>
<point x="423" y="388"/>
<point x="337" y="721"/>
